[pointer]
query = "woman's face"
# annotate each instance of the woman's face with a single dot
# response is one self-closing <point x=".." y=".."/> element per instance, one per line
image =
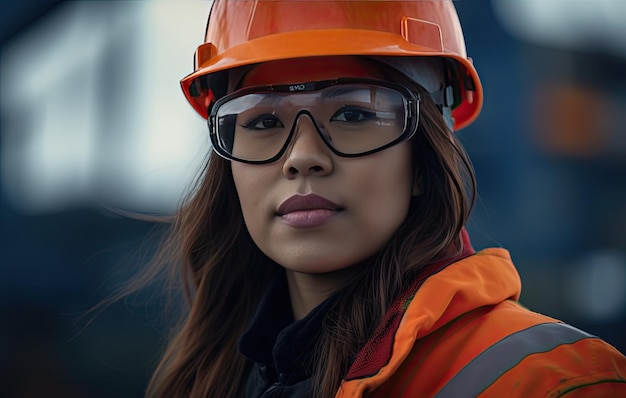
<point x="312" y="211"/>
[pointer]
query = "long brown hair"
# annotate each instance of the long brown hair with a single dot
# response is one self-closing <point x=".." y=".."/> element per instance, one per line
<point x="224" y="273"/>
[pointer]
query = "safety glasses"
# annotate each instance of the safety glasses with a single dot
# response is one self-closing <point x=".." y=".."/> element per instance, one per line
<point x="354" y="117"/>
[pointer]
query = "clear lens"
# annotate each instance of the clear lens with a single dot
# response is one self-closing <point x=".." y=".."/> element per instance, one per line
<point x="352" y="119"/>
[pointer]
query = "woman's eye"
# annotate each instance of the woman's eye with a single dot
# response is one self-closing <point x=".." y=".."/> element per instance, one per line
<point x="264" y="122"/>
<point x="353" y="115"/>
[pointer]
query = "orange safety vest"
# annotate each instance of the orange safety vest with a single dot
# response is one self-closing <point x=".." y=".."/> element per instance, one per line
<point x="463" y="334"/>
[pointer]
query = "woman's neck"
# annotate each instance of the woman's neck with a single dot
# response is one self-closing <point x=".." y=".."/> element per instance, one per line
<point x="307" y="291"/>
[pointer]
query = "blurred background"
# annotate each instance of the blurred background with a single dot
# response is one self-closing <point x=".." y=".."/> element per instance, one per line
<point x="93" y="120"/>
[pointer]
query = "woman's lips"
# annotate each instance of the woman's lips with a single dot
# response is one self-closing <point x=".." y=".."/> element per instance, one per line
<point x="307" y="210"/>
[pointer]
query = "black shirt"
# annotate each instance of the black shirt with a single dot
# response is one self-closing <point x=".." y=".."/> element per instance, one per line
<point x="281" y="348"/>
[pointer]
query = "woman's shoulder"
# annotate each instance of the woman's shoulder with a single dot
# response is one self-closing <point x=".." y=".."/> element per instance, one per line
<point x="465" y="334"/>
<point x="508" y="350"/>
<point x="522" y="353"/>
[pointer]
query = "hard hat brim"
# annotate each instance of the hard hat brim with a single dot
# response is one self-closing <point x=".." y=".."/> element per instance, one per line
<point x="328" y="42"/>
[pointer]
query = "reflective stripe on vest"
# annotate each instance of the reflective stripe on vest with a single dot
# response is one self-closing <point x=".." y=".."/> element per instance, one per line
<point x="499" y="358"/>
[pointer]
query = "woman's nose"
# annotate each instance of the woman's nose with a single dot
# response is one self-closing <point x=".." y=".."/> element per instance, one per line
<point x="307" y="154"/>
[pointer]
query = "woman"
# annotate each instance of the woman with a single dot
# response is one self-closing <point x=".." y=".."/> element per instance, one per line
<point x="324" y="250"/>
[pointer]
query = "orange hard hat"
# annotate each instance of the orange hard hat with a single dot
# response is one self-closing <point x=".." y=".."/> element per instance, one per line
<point x="245" y="32"/>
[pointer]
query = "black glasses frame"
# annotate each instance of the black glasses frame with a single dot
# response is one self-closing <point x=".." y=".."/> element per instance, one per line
<point x="411" y="109"/>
